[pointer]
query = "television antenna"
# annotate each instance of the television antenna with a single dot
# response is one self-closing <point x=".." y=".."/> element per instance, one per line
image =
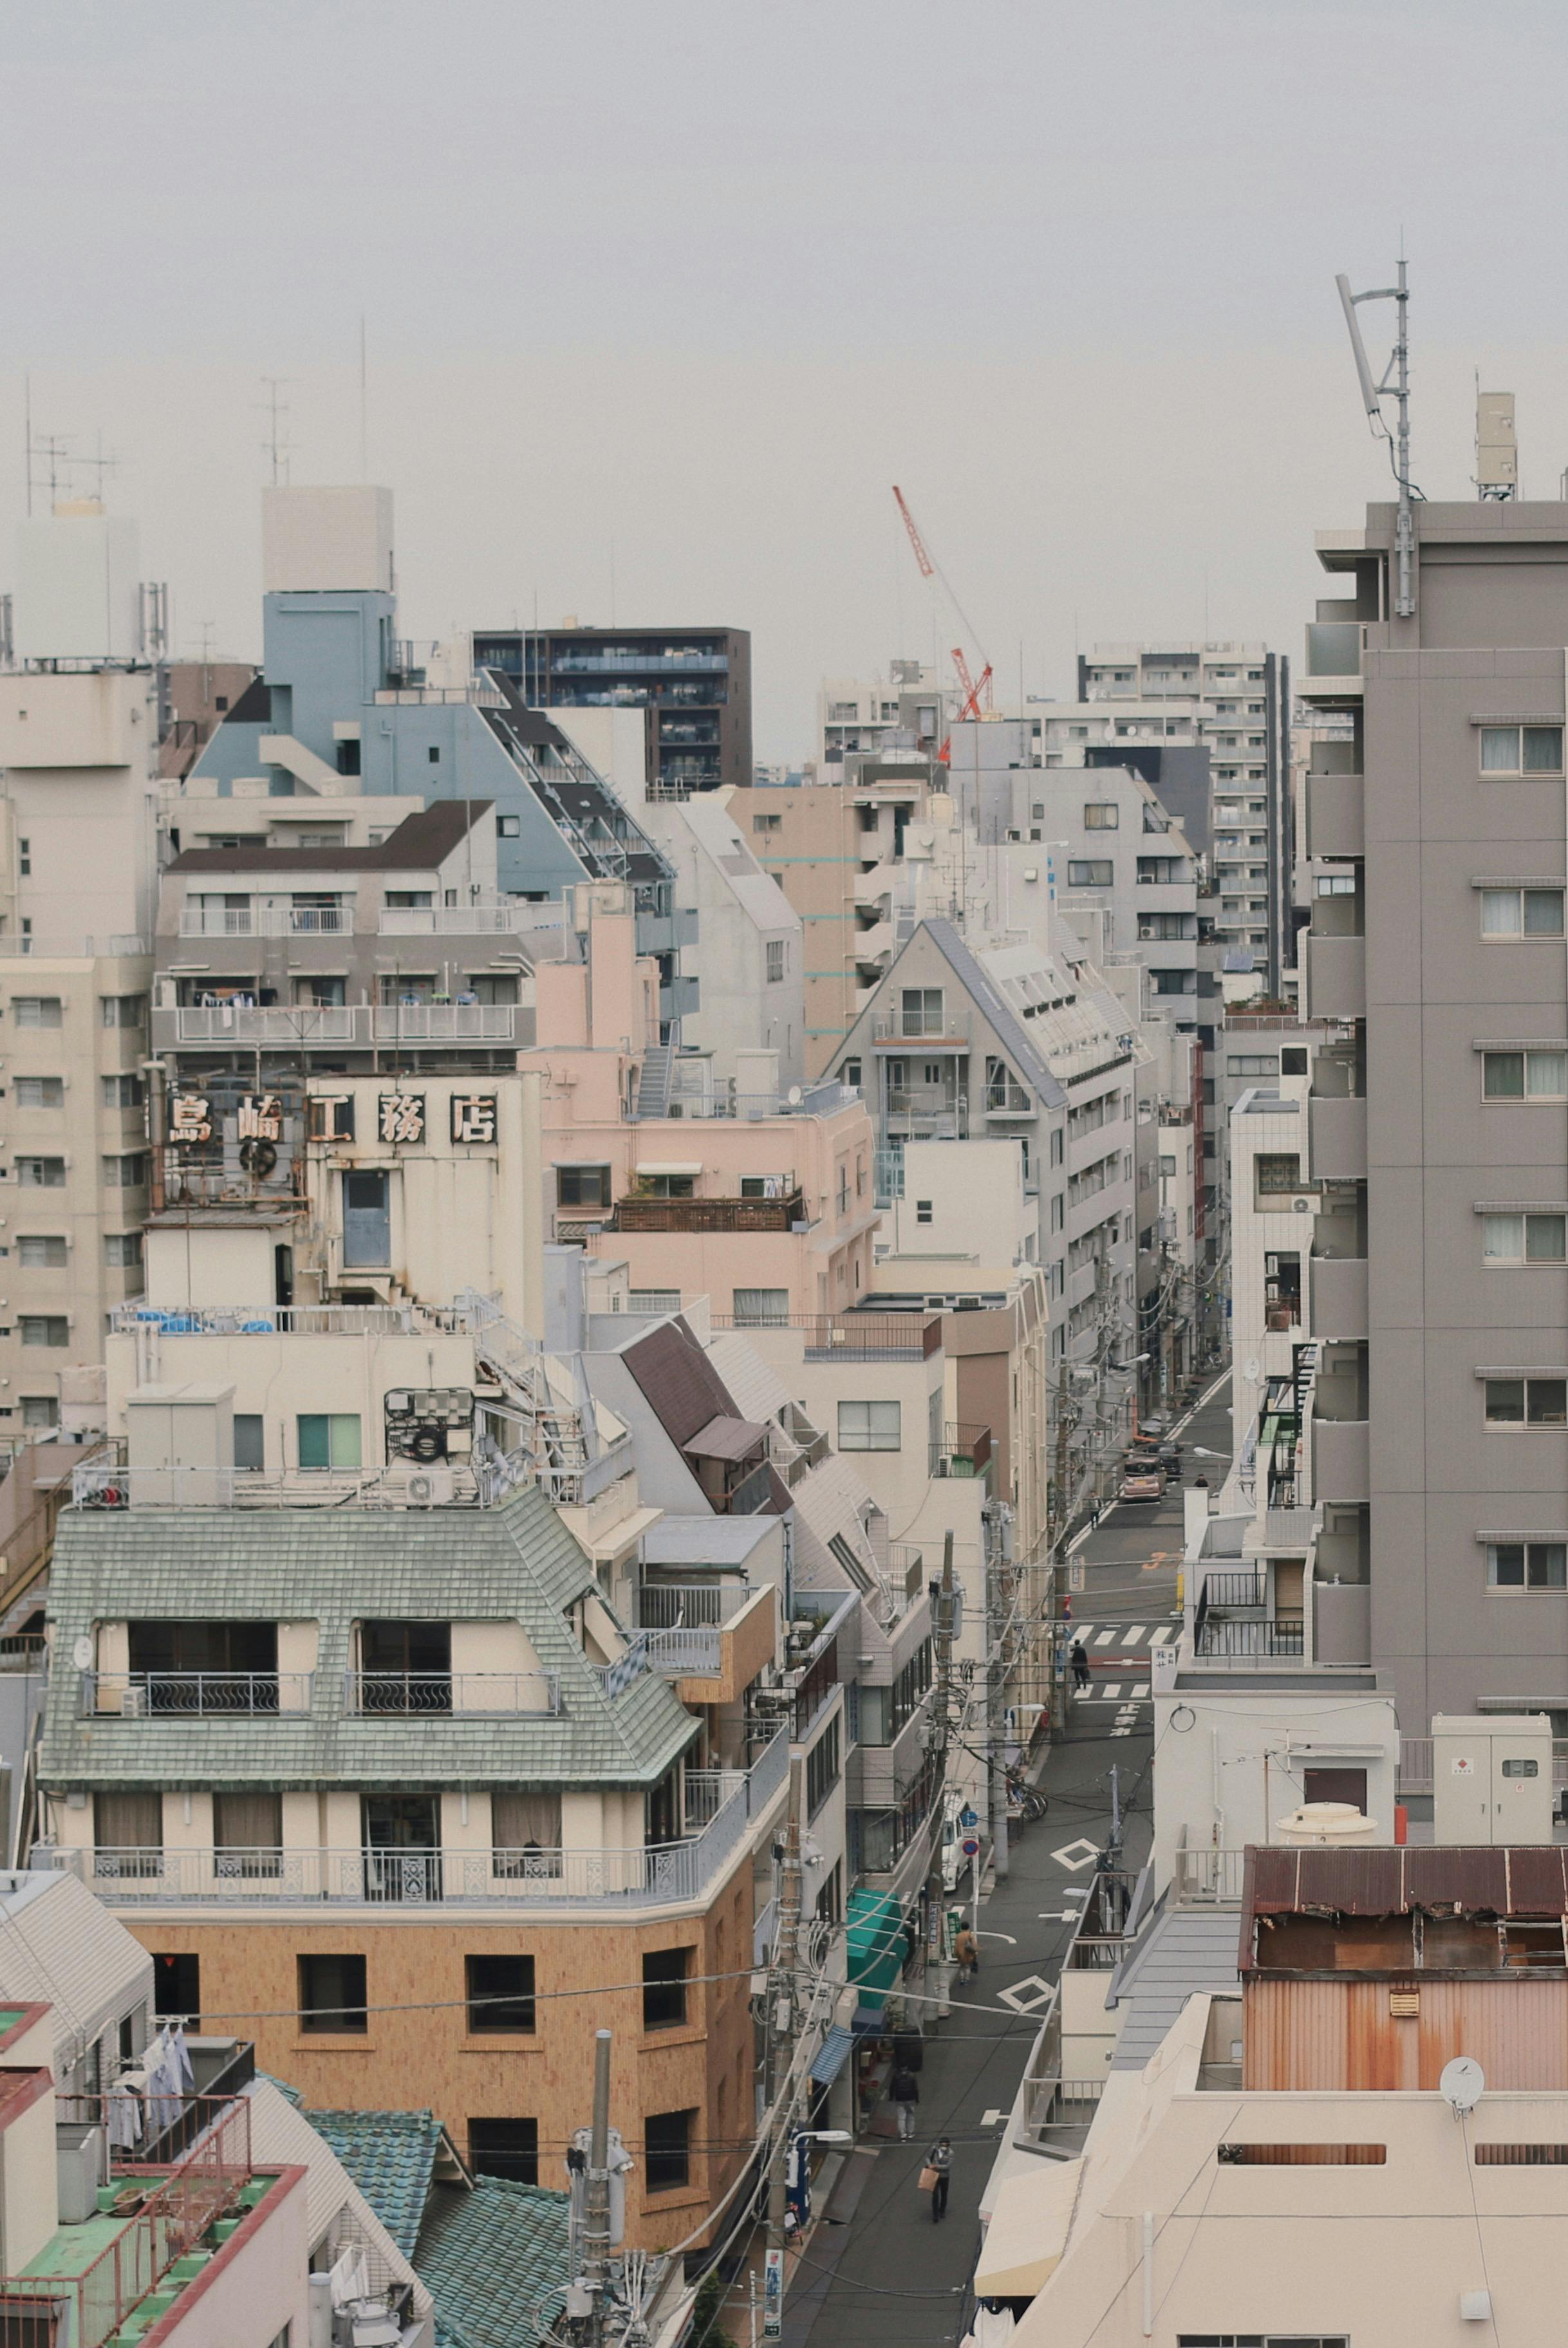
<point x="1462" y="2084"/>
<point x="276" y="442"/>
<point x="1395" y="382"/>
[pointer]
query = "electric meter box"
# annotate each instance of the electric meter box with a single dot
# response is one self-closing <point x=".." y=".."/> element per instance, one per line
<point x="1492" y="1777"/>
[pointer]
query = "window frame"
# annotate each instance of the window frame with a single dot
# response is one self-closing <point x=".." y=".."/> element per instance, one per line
<point x="848" y="1435"/>
<point x="314" y="2016"/>
<point x="333" y="1421"/>
<point x="1498" y="1259"/>
<point x="519" y="2017"/>
<point x="1493" y="766"/>
<point x="1528" y="1094"/>
<point x="1528" y="1416"/>
<point x="1538" y="1561"/>
<point x="1520" y="932"/>
<point x="674" y="2154"/>
<point x="664" y="1993"/>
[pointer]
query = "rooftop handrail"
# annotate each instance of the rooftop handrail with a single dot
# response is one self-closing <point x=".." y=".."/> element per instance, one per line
<point x="450" y="1694"/>
<point x="267" y="1320"/>
<point x="141" y="1695"/>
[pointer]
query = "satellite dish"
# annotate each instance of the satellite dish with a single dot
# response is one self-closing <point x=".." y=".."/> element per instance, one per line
<point x="794" y="1096"/>
<point x="1250" y="1372"/>
<point x="82" y="1653"/>
<point x="1462" y="2084"/>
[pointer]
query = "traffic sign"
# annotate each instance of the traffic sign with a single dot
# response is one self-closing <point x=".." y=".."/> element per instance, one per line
<point x="773" y="2295"/>
<point x="968" y="1818"/>
<point x="971" y="1846"/>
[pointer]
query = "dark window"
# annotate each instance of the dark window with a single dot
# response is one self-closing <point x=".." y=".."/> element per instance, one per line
<point x="500" y="1994"/>
<point x="366" y="1219"/>
<point x="177" y="1984"/>
<point x="664" y="1974"/>
<point x="435" y="756"/>
<point x="1292" y="1061"/>
<point x="348" y="757"/>
<point x="331" y="1996"/>
<point x="250" y="1451"/>
<point x="667" y="2150"/>
<point x="248" y="1834"/>
<point x="583" y="1186"/>
<point x="1518" y="1402"/>
<point x="1337" y="1785"/>
<point x="508" y="2148"/>
<point x="821" y="1768"/>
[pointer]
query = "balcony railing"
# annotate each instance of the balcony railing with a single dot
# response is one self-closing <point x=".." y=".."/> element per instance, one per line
<point x="444" y="1023"/>
<point x="651" y="662"/>
<point x="314" y="1027"/>
<point x="529" y="1876"/>
<point x="1238" y="1642"/>
<point x="962" y="1451"/>
<point x="691" y="1605"/>
<point x="501" y="1695"/>
<point x="267" y="1320"/>
<point x="483" y="1483"/>
<point x="266" y="921"/>
<point x="850" y="1337"/>
<point x="144" y="1695"/>
<point x="1233" y="1589"/>
<point x="710" y="1214"/>
<point x="1209" y="1878"/>
<point x="499" y="918"/>
<point x="950" y="1027"/>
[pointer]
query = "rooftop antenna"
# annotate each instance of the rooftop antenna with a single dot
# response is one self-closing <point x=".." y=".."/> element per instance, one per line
<point x="55" y="450"/>
<point x="1496" y="447"/>
<point x="1373" y="394"/>
<point x="276" y="444"/>
<point x="100" y="465"/>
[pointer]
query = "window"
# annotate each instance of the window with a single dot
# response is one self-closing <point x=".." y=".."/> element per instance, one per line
<point x="1089" y="873"/>
<point x="176" y="1987"/>
<point x="37" y="1010"/>
<point x="331" y="1996"/>
<point x="583" y="1186"/>
<point x="508" y="2148"/>
<point x="500" y="1990"/>
<point x="1252" y="1063"/>
<point x="1057" y="1144"/>
<point x="1292" y="1061"/>
<point x="923" y="1210"/>
<point x="852" y="1074"/>
<point x="119" y="1011"/>
<point x="39" y="1092"/>
<point x="761" y="1308"/>
<point x="122" y="1092"/>
<point x="1058" y="1210"/>
<point x="329" y="1439"/>
<point x="123" y="1251"/>
<point x="869" y="1426"/>
<point x="1101" y="815"/>
<point x="348" y="758"/>
<point x="921" y="1011"/>
<point x="250" y="1440"/>
<point x="775" y="961"/>
<point x="1526" y="1565"/>
<point x="766" y="822"/>
<point x="434" y="755"/>
<point x="525" y="1835"/>
<point x="45" y="1328"/>
<point x="126" y="1172"/>
<point x="1524" y="1075"/>
<point x="1301" y="2155"/>
<point x="25" y="856"/>
<point x="1521" y="2155"/>
<point x="1521" y="750"/>
<point x="823" y="1769"/>
<point x="366" y="1219"/>
<point x="1527" y="1402"/>
<point x="40" y="1410"/>
<point x="42" y="1254"/>
<point x="1522" y="1239"/>
<point x="127" y="1833"/>
<point x="1521" y="912"/>
<point x="248" y="1834"/>
<point x="667" y="2150"/>
<point x="507" y="826"/>
<point x="665" y="1972"/>
<point x="1277" y="1171"/>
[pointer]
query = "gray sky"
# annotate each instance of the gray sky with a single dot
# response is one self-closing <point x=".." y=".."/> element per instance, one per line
<point x="670" y="294"/>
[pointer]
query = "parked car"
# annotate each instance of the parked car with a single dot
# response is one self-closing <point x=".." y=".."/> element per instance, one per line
<point x="1142" y="1481"/>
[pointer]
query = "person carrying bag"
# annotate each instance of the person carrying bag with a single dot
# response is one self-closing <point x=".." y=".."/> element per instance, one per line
<point x="933" y="2177"/>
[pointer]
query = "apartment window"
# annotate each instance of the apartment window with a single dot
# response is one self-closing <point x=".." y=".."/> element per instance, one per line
<point x="248" y="1834"/>
<point x="664" y="1974"/>
<point x="1058" y="1210"/>
<point x="499" y="1992"/>
<point x="1277" y="1171"/>
<point x="667" y="2150"/>
<point x="821" y="1768"/>
<point x="122" y="1092"/>
<point x="507" y="826"/>
<point x="127" y="1833"/>
<point x="1524" y="1075"/>
<point x="869" y="1426"/>
<point x="583" y="1186"/>
<point x="851" y="1075"/>
<point x="1252" y="1063"/>
<point x="1086" y="872"/>
<point x="121" y="1010"/>
<point x="1057" y="1144"/>
<point x="761" y="1308"/>
<point x="1521" y="912"/>
<point x="40" y="1410"/>
<point x="332" y="1999"/>
<point x="1527" y="1402"/>
<point x="1526" y="1565"/>
<point x="1522" y="1239"/>
<point x="41" y="1253"/>
<point x="1521" y="750"/>
<point x="250" y="1440"/>
<point x="922" y="1009"/>
<point x="39" y="1092"/>
<point x="45" y="1328"/>
<point x="37" y="1010"/>
<point x="1101" y="814"/>
<point x="175" y="1988"/>
<point x="508" y="2148"/>
<point x="766" y="822"/>
<point x="775" y="954"/>
<point x="1292" y="1063"/>
<point x="123" y="1251"/>
<point x="25" y="856"/>
<point x="329" y="1439"/>
<point x="923" y="1211"/>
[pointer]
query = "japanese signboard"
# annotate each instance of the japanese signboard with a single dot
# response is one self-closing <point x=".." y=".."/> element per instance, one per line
<point x="400" y="1117"/>
<point x="473" y="1117"/>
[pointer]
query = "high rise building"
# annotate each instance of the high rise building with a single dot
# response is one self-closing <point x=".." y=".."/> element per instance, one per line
<point x="693" y="685"/>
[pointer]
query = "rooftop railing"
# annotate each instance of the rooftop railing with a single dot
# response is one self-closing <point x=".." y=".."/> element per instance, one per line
<point x="691" y="1605"/>
<point x="483" y="1483"/>
<point x="194" y="1696"/>
<point x="408" y="1695"/>
<point x="14" y="947"/>
<point x="482" y="918"/>
<point x="267" y="1320"/>
<point x="850" y="1337"/>
<point x="266" y="921"/>
<point x="781" y="1214"/>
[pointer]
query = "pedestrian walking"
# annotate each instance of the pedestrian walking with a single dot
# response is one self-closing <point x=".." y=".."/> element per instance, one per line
<point x="905" y="2092"/>
<point x="1079" y="1662"/>
<point x="966" y="1949"/>
<point x="938" y="2167"/>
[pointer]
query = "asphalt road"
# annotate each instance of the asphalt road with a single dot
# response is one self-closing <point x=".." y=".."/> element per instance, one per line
<point x="889" y="2277"/>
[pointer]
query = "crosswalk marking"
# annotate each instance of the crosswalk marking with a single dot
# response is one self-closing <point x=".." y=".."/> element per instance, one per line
<point x="1132" y="1635"/>
<point x="1160" y="1633"/>
<point x="1114" y="1689"/>
<point x="1103" y="1638"/>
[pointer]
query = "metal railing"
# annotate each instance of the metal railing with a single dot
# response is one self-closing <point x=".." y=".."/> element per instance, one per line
<point x="691" y="1605"/>
<point x="483" y="1483"/>
<point x="1101" y="1934"/>
<point x="1233" y="1589"/>
<point x="780" y="1215"/>
<point x="267" y="1320"/>
<point x="1208" y="1876"/>
<point x="916" y="1028"/>
<point x="961" y="1451"/>
<point x="501" y="917"/>
<point x="654" y="1300"/>
<point x="131" y="1877"/>
<point x="266" y="921"/>
<point x="194" y="1695"/>
<point x="414" y="1694"/>
<point x="1230" y="1641"/>
<point x="444" y="1023"/>
<point x="237" y="1022"/>
<point x="850" y="1337"/>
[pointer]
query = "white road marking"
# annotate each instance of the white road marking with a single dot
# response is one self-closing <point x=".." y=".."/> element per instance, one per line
<point x="990" y="2119"/>
<point x="1132" y="1635"/>
<point x="1075" y="1856"/>
<point x="1114" y="1689"/>
<point x="1122" y="1732"/>
<point x="1162" y="1632"/>
<point x="1028" y="1995"/>
<point x="1105" y="1638"/>
<point x="1009" y="1937"/>
<point x="1142" y="1688"/>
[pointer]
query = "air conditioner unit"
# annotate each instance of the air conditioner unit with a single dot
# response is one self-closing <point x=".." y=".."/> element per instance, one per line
<point x="431" y="1487"/>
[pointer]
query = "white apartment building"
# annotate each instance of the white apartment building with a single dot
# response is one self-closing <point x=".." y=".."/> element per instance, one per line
<point x="908" y="710"/>
<point x="752" y="983"/>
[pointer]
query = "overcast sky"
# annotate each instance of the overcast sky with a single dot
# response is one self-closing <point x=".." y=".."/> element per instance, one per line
<point x="660" y="299"/>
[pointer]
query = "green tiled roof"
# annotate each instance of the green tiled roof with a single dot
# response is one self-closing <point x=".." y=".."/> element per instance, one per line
<point x="490" y="2259"/>
<point x="338" y="1566"/>
<point x="391" y="2157"/>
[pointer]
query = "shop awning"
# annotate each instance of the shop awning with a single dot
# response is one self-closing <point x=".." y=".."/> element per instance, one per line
<point x="875" y="1939"/>
<point x="831" y="2056"/>
<point x="1028" y="2231"/>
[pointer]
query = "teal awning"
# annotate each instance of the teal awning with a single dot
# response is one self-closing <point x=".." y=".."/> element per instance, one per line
<point x="875" y="1922"/>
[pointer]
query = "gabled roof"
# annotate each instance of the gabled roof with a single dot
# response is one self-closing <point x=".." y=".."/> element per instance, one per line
<point x="1182" y="1952"/>
<point x="494" y="2261"/>
<point x="280" y="2131"/>
<point x="419" y="843"/>
<point x="391" y="2158"/>
<point x="517" y="1563"/>
<point x="997" y="1011"/>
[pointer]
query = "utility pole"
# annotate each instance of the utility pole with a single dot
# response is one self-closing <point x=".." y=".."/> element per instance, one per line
<point x="996" y="1612"/>
<point x="941" y="1723"/>
<point x="596" y="2196"/>
<point x="783" y="2008"/>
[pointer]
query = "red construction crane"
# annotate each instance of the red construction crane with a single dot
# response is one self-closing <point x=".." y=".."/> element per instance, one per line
<point x="931" y="568"/>
<point x="973" y="689"/>
<point x="927" y="568"/>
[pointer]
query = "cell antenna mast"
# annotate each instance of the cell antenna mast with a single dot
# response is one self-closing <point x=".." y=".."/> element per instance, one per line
<point x="275" y="444"/>
<point x="1394" y="382"/>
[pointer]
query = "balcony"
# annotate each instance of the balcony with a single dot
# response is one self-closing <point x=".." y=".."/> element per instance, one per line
<point x="1335" y="816"/>
<point x="962" y="1451"/>
<point x="727" y="1803"/>
<point x="269" y="1320"/>
<point x="1341" y="1459"/>
<point x="502" y="918"/>
<point x="1336" y="1137"/>
<point x="785" y="1214"/>
<point x="302" y="1027"/>
<point x="1339" y="1296"/>
<point x="853" y="1337"/>
<point x="1332" y="671"/>
<point x="266" y="921"/>
<point x="194" y="1696"/>
<point x="1335" y="976"/>
<point x="409" y="1695"/>
<point x="635" y="664"/>
<point x="896" y="1030"/>
<point x="444" y="1023"/>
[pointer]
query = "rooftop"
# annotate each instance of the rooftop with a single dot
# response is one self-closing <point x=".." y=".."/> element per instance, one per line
<point x="419" y="843"/>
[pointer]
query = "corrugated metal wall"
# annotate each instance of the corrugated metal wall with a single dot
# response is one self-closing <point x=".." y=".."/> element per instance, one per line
<point x="1341" y="2034"/>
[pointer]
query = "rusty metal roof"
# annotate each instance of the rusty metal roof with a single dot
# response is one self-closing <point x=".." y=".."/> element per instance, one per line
<point x="1456" y="1879"/>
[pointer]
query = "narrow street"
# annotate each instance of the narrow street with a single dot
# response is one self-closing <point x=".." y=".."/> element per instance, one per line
<point x="878" y="2273"/>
